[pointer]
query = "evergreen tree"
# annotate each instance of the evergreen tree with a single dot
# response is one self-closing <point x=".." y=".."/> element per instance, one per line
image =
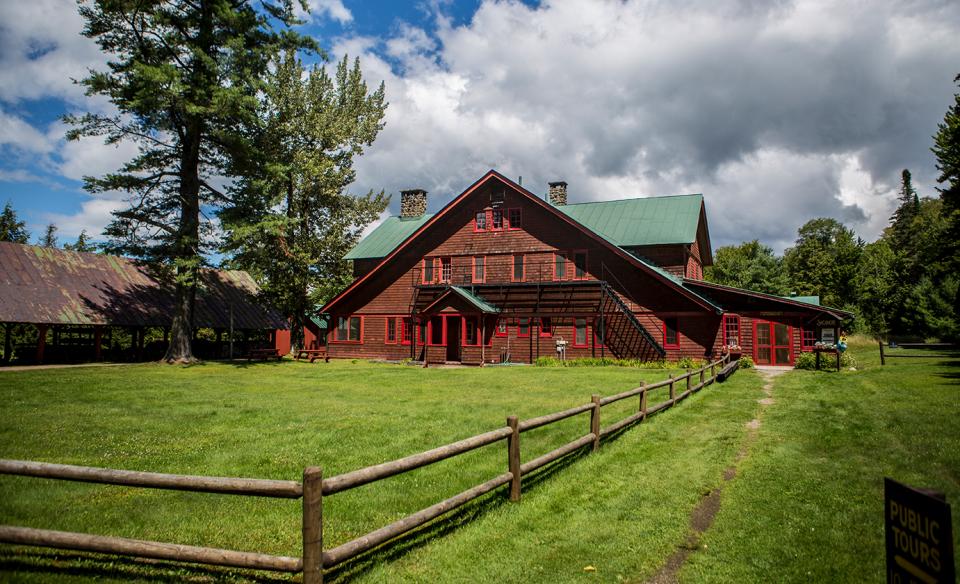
<point x="908" y="208"/>
<point x="11" y="227"/>
<point x="751" y="266"/>
<point x="824" y="261"/>
<point x="82" y="243"/>
<point x="184" y="78"/>
<point x="49" y="238"/>
<point x="946" y="148"/>
<point x="294" y="221"/>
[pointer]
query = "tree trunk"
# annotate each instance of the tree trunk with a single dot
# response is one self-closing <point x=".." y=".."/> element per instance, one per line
<point x="186" y="249"/>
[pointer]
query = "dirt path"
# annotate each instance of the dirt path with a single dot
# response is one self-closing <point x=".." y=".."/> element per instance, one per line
<point x="706" y="510"/>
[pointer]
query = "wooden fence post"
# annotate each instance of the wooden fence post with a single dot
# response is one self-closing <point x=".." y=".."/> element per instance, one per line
<point x="513" y="457"/>
<point x="702" y="370"/>
<point x="643" y="401"/>
<point x="713" y="371"/>
<point x="883" y="358"/>
<point x="688" y="380"/>
<point x="673" y="393"/>
<point x="313" y="525"/>
<point x="595" y="420"/>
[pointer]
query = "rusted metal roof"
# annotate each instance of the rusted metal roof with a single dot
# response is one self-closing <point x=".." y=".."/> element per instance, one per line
<point x="41" y="285"/>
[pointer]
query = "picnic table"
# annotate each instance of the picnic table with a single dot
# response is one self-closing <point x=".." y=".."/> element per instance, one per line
<point x="313" y="354"/>
<point x="264" y="354"/>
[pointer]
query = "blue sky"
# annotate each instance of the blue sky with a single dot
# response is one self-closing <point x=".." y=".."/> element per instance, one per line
<point x="776" y="112"/>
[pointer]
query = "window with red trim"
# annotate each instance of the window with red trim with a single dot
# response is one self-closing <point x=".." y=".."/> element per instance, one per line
<point x="580" y="265"/>
<point x="471" y="331"/>
<point x="671" y="336"/>
<point x="445" y="268"/>
<point x="497" y="217"/>
<point x="349" y="329"/>
<point x="559" y="266"/>
<point x="519" y="270"/>
<point x="808" y="338"/>
<point x="406" y="332"/>
<point x="731" y="330"/>
<point x="427" y="271"/>
<point x="546" y="327"/>
<point x="391" y="334"/>
<point x="479" y="269"/>
<point x="514" y="218"/>
<point x="480" y="221"/>
<point x="523" y="327"/>
<point x="501" y="328"/>
<point x="579" y="332"/>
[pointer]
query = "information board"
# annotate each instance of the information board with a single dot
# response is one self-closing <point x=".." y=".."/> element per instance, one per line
<point x="919" y="536"/>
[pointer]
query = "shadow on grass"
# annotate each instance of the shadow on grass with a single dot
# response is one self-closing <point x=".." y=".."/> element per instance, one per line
<point x="447" y="524"/>
<point x="57" y="565"/>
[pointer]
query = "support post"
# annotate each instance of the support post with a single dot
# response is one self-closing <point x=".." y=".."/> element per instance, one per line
<point x="97" y="342"/>
<point x="838" y="359"/>
<point x="673" y="391"/>
<point x="7" y="344"/>
<point x="643" y="400"/>
<point x="513" y="457"/>
<point x="595" y="421"/>
<point x="312" y="525"/>
<point x="41" y="341"/>
<point x="883" y="358"/>
<point x="140" y="334"/>
<point x="702" y="371"/>
<point x="688" y="380"/>
<point x="713" y="372"/>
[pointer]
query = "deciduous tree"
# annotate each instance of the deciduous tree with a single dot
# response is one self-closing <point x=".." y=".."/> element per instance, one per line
<point x="751" y="266"/>
<point x="294" y="220"/>
<point x="824" y="261"/>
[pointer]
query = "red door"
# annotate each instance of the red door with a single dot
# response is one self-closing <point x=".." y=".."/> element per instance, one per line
<point x="772" y="343"/>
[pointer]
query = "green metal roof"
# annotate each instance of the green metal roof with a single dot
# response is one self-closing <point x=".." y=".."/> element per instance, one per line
<point x="814" y="300"/>
<point x="386" y="237"/>
<point x="477" y="301"/>
<point x="624" y="223"/>
<point x="635" y="222"/>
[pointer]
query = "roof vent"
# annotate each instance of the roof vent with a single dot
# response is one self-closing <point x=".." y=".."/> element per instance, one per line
<point x="413" y="203"/>
<point x="558" y="193"/>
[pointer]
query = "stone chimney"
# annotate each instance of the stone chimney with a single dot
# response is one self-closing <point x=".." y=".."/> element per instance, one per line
<point x="558" y="193"/>
<point x="413" y="203"/>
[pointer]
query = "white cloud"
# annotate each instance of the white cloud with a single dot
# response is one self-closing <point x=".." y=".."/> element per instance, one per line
<point x="93" y="216"/>
<point x="325" y="8"/>
<point x="777" y="112"/>
<point x="20" y="135"/>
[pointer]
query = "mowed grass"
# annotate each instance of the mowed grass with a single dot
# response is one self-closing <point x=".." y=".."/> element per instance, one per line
<point x="807" y="503"/>
<point x="621" y="510"/>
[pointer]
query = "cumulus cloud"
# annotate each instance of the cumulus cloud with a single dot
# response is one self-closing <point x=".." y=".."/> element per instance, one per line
<point x="319" y="9"/>
<point x="777" y="112"/>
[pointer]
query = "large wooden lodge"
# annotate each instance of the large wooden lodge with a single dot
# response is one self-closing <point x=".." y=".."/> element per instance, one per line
<point x="500" y="274"/>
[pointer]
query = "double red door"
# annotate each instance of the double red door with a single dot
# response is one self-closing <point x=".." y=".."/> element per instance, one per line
<point x="772" y="342"/>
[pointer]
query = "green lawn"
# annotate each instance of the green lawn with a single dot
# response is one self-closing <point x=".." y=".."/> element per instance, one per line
<point x="271" y="420"/>
<point x="806" y="503"/>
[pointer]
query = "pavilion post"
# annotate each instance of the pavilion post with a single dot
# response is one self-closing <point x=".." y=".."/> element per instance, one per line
<point x="97" y="342"/>
<point x="139" y="337"/>
<point x="7" y="344"/>
<point x="41" y="341"/>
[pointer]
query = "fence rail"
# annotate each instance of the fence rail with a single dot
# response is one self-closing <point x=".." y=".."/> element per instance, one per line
<point x="314" y="559"/>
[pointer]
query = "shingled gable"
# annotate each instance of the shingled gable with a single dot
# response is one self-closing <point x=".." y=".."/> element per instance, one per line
<point x="547" y="207"/>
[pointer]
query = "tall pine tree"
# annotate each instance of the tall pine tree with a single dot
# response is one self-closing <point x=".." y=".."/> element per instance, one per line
<point x="294" y="220"/>
<point x="11" y="227"/>
<point x="184" y="77"/>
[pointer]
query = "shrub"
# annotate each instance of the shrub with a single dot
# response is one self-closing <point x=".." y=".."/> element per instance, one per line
<point x="685" y="363"/>
<point x="746" y="363"/>
<point x="808" y="361"/>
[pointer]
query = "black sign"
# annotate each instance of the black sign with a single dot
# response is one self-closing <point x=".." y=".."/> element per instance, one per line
<point x="919" y="536"/>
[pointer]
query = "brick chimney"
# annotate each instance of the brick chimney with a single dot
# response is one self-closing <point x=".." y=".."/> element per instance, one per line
<point x="413" y="203"/>
<point x="558" y="193"/>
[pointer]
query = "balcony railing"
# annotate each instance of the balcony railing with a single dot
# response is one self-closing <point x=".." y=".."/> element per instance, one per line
<point x="500" y="270"/>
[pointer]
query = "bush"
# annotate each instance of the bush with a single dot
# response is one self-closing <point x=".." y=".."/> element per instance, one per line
<point x="747" y="363"/>
<point x="685" y="363"/>
<point x="808" y="361"/>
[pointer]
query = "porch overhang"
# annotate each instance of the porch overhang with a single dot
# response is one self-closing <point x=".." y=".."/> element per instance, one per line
<point x="460" y="299"/>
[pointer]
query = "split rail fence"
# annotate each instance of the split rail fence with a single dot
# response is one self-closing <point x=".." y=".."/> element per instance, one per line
<point x="314" y="558"/>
